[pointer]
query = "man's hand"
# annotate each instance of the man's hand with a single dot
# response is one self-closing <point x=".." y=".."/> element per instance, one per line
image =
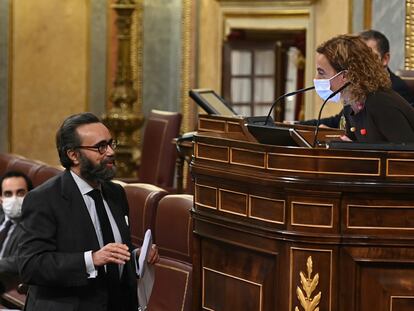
<point x="153" y="256"/>
<point x="111" y="253"/>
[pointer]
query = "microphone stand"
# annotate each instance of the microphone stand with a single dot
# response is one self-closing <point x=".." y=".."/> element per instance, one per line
<point x="315" y="140"/>
<point x="284" y="96"/>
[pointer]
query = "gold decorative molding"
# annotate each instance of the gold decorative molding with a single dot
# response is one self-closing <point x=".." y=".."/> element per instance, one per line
<point x="367" y="14"/>
<point x="409" y="35"/>
<point x="137" y="53"/>
<point x="186" y="63"/>
<point x="309" y="285"/>
<point x="186" y="60"/>
<point x="328" y="295"/>
<point x="121" y="119"/>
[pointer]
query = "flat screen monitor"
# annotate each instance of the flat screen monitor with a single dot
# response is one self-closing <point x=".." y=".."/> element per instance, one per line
<point x="211" y="103"/>
<point x="278" y="136"/>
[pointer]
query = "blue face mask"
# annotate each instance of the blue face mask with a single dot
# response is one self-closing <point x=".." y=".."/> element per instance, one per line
<point x="323" y="88"/>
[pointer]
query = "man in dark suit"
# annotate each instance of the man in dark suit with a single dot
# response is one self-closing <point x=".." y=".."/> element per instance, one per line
<point x="75" y="253"/>
<point x="14" y="186"/>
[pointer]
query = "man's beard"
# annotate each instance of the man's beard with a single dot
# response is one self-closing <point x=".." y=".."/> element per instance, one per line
<point x="98" y="173"/>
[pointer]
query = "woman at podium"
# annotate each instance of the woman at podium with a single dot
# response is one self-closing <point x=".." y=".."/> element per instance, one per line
<point x="373" y="112"/>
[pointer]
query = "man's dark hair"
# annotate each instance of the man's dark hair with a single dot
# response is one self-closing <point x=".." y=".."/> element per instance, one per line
<point x="67" y="137"/>
<point x="382" y="42"/>
<point x="11" y="174"/>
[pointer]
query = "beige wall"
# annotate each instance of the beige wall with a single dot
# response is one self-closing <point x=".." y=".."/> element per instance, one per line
<point x="326" y="19"/>
<point x="331" y="18"/>
<point x="49" y="77"/>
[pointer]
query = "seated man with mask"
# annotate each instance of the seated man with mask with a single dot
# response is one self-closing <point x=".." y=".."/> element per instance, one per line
<point x="14" y="185"/>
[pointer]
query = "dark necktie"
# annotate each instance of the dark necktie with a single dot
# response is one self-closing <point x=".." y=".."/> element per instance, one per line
<point x="4" y="232"/>
<point x="112" y="271"/>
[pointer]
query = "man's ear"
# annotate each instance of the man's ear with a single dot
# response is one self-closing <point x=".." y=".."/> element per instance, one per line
<point x="73" y="155"/>
<point x="386" y="59"/>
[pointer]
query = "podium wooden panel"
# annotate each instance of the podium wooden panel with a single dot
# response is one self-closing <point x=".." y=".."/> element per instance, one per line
<point x="288" y="228"/>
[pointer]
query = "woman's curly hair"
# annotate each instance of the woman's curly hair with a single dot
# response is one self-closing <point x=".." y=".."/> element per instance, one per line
<point x="364" y="69"/>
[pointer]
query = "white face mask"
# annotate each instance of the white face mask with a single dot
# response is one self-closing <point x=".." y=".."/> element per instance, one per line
<point x="12" y="206"/>
<point x="323" y="88"/>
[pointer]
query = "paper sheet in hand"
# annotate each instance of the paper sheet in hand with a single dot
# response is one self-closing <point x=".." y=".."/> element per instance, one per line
<point x="145" y="272"/>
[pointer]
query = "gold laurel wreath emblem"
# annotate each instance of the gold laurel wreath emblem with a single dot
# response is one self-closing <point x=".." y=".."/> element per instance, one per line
<point x="309" y="284"/>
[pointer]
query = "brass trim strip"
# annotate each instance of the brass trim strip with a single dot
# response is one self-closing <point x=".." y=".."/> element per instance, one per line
<point x="376" y="206"/>
<point x="325" y="157"/>
<point x="248" y="165"/>
<point x="307" y="225"/>
<point x="291" y="272"/>
<point x="398" y="297"/>
<point x="214" y="146"/>
<point x="206" y="206"/>
<point x="233" y="277"/>
<point x="196" y="195"/>
<point x="264" y="219"/>
<point x="397" y="160"/>
<point x="231" y="212"/>
<point x="231" y="122"/>
<point x="200" y="129"/>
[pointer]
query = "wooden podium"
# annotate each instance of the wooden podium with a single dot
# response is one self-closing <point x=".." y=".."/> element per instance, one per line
<point x="296" y="229"/>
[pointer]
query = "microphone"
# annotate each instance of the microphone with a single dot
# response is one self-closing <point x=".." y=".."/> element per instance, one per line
<point x="320" y="112"/>
<point x="284" y="96"/>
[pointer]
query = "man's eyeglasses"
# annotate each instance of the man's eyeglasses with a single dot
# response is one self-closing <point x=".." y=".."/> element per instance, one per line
<point x="101" y="147"/>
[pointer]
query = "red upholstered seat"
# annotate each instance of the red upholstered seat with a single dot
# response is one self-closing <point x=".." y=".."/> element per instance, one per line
<point x="44" y="173"/>
<point x="158" y="151"/>
<point x="7" y="159"/>
<point x="143" y="202"/>
<point x="173" y="274"/>
<point x="172" y="289"/>
<point x="173" y="227"/>
<point x="37" y="171"/>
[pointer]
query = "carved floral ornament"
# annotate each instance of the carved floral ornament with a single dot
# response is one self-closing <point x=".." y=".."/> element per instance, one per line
<point x="309" y="285"/>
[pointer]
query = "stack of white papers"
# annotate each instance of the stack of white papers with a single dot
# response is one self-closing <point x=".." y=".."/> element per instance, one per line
<point x="145" y="272"/>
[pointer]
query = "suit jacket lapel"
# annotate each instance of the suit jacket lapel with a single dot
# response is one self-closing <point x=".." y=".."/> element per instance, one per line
<point x="74" y="199"/>
<point x="12" y="241"/>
